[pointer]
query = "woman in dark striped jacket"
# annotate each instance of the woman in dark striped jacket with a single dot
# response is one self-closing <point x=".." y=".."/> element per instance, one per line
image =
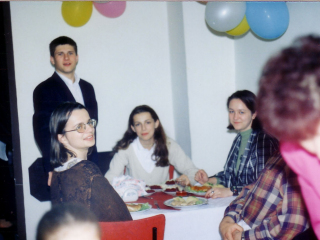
<point x="249" y="152"/>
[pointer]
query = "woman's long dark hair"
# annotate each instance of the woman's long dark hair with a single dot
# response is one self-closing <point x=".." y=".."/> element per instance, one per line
<point x="58" y="121"/>
<point x="161" y="151"/>
<point x="249" y="99"/>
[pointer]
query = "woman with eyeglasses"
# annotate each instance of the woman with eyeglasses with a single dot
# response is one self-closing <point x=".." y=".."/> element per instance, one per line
<point x="75" y="179"/>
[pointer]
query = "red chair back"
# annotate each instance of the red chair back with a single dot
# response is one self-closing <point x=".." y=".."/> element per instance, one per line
<point x="171" y="170"/>
<point x="141" y="229"/>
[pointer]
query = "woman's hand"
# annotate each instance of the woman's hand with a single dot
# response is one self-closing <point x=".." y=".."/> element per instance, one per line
<point x="201" y="177"/>
<point x="229" y="230"/>
<point x="49" y="178"/>
<point x="236" y="235"/>
<point x="183" y="180"/>
<point x="219" y="193"/>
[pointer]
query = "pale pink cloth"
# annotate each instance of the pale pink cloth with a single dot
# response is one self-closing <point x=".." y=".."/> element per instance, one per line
<point x="307" y="167"/>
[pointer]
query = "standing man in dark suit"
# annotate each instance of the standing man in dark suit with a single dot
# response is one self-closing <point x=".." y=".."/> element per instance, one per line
<point x="64" y="85"/>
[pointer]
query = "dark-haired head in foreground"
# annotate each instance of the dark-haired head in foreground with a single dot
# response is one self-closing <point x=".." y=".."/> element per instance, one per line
<point x="68" y="222"/>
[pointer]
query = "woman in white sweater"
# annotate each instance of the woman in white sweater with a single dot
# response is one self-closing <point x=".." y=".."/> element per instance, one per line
<point x="145" y="151"/>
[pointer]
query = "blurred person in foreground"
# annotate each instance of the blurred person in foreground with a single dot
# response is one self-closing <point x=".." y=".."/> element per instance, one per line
<point x="68" y="222"/>
<point x="289" y="104"/>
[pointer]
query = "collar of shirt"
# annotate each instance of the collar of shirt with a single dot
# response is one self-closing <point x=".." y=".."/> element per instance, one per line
<point x="68" y="164"/>
<point x="74" y="87"/>
<point x="69" y="81"/>
<point x="144" y="155"/>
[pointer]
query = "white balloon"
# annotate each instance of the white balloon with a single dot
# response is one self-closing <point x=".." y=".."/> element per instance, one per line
<point x="224" y="16"/>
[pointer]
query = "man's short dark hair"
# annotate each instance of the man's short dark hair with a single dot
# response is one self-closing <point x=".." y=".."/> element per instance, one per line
<point x="62" y="41"/>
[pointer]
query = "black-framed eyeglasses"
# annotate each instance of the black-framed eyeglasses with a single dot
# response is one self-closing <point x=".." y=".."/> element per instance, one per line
<point x="82" y="126"/>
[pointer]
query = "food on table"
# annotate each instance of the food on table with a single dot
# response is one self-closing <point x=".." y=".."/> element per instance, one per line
<point x="135" y="207"/>
<point x="150" y="191"/>
<point x="170" y="182"/>
<point x="181" y="193"/>
<point x="170" y="190"/>
<point x="218" y="186"/>
<point x="155" y="187"/>
<point x="208" y="184"/>
<point x="179" y="201"/>
<point x="197" y="189"/>
<point x="215" y="185"/>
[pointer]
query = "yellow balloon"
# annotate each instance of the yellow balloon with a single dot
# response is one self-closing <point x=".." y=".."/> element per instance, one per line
<point x="242" y="28"/>
<point x="76" y="13"/>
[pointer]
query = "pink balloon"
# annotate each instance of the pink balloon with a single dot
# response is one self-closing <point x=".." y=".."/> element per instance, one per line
<point x="110" y="9"/>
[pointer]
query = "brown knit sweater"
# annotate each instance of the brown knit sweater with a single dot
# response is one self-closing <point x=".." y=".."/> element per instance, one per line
<point x="84" y="184"/>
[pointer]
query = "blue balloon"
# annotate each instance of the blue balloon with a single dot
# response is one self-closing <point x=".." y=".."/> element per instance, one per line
<point x="269" y="20"/>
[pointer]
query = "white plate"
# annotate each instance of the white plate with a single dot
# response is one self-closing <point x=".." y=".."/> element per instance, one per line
<point x="170" y="193"/>
<point x="148" y="194"/>
<point x="171" y="184"/>
<point x="168" y="203"/>
<point x="149" y="207"/>
<point x="197" y="193"/>
<point x="156" y="190"/>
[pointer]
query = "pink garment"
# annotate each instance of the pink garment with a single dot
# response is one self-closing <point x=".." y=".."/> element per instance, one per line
<point x="307" y="167"/>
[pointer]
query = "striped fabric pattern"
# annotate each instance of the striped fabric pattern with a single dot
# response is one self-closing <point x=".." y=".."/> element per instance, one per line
<point x="272" y="206"/>
<point x="259" y="149"/>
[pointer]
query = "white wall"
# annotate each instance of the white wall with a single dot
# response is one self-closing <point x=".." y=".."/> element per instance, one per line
<point x="179" y="76"/>
<point x="210" y="76"/>
<point x="252" y="53"/>
<point x="126" y="59"/>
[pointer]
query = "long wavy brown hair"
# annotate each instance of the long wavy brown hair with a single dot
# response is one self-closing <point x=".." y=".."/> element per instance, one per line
<point x="161" y="152"/>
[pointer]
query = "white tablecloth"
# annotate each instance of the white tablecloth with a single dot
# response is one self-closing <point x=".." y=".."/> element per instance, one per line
<point x="198" y="222"/>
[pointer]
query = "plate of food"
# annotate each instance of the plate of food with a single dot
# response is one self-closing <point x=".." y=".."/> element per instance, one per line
<point x="197" y="190"/>
<point x="185" y="202"/>
<point x="138" y="207"/>
<point x="171" y="191"/>
<point x="156" y="188"/>
<point x="149" y="192"/>
<point x="170" y="182"/>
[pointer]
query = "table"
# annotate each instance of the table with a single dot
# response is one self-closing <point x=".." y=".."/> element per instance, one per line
<point x="198" y="222"/>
